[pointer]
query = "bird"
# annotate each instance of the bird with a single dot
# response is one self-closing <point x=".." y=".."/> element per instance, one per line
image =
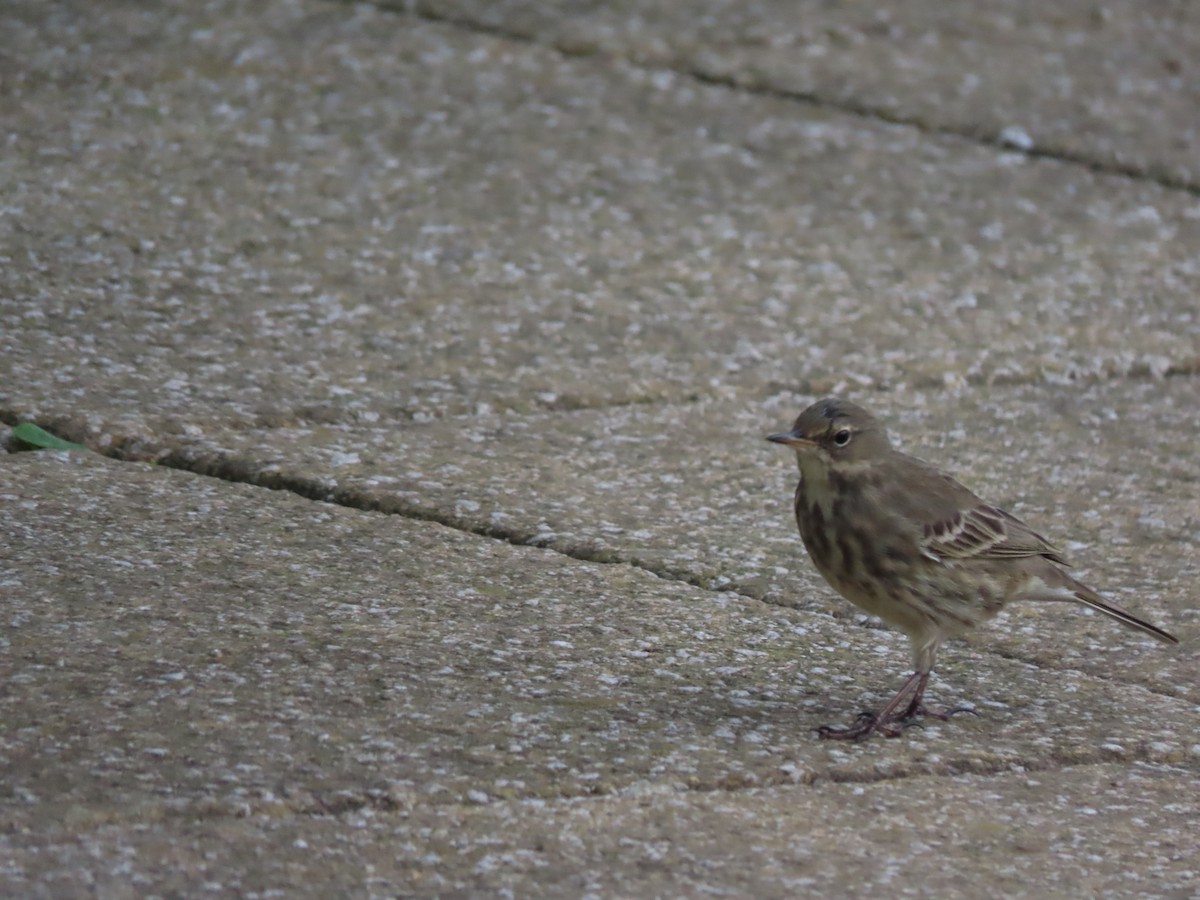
<point x="906" y="542"/>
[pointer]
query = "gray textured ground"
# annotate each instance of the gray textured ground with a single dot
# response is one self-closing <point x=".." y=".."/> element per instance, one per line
<point x="500" y="299"/>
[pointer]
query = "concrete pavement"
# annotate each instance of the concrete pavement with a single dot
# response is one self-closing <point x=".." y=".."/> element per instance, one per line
<point x="430" y="545"/>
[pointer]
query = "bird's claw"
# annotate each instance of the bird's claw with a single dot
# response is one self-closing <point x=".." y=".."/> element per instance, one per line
<point x="864" y="726"/>
<point x="868" y="723"/>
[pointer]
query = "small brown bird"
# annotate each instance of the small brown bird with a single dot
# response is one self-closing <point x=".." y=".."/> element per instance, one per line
<point x="908" y="543"/>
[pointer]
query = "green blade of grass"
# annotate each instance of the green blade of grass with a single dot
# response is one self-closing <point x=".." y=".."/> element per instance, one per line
<point x="40" y="439"/>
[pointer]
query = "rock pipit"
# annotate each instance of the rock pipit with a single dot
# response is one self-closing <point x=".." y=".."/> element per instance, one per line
<point x="908" y="543"/>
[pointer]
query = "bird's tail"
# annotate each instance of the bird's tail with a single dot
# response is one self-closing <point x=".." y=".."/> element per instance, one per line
<point x="1086" y="595"/>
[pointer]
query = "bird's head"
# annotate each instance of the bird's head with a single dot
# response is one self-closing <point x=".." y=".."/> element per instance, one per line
<point x="835" y="431"/>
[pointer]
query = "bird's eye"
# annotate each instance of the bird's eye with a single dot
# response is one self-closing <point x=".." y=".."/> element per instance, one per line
<point x="842" y="438"/>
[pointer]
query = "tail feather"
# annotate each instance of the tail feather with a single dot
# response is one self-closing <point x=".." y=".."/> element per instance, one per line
<point x="1125" y="617"/>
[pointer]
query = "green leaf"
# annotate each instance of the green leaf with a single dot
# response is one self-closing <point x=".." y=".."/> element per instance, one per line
<point x="40" y="439"/>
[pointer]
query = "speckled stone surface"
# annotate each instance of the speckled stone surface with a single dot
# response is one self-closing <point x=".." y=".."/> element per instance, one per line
<point x="193" y="662"/>
<point x="502" y="308"/>
<point x="395" y="219"/>
<point x="1113" y="85"/>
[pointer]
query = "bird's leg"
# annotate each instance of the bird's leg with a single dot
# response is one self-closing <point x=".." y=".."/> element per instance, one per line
<point x="889" y="721"/>
<point x="916" y="709"/>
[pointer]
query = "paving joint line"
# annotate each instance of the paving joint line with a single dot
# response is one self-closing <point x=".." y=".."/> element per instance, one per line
<point x="562" y="406"/>
<point x="1110" y="168"/>
<point x="1054" y="761"/>
<point x="863" y="110"/>
<point x="297" y="417"/>
<point x="238" y="469"/>
<point x="385" y="801"/>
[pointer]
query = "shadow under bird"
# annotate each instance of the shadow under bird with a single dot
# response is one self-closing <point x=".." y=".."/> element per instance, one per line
<point x="904" y="541"/>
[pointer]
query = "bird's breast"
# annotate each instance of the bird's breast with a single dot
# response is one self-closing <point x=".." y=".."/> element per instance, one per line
<point x="861" y="552"/>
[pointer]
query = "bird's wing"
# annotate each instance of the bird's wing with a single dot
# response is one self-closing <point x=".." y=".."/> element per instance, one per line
<point x="984" y="532"/>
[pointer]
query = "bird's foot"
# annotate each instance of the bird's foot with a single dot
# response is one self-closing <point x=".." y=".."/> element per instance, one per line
<point x="869" y="723"/>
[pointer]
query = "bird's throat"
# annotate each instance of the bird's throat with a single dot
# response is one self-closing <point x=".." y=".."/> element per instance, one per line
<point x="815" y="474"/>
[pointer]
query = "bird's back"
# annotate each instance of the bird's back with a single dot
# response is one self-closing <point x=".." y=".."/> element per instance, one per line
<point x="950" y="521"/>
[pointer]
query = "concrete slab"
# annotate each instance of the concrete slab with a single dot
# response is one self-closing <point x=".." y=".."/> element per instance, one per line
<point x="186" y="654"/>
<point x="1107" y="85"/>
<point x="316" y="212"/>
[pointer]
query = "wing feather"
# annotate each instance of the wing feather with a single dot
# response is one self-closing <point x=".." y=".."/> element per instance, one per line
<point x="985" y="532"/>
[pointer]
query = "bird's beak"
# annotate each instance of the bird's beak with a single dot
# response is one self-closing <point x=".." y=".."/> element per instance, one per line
<point x="791" y="439"/>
